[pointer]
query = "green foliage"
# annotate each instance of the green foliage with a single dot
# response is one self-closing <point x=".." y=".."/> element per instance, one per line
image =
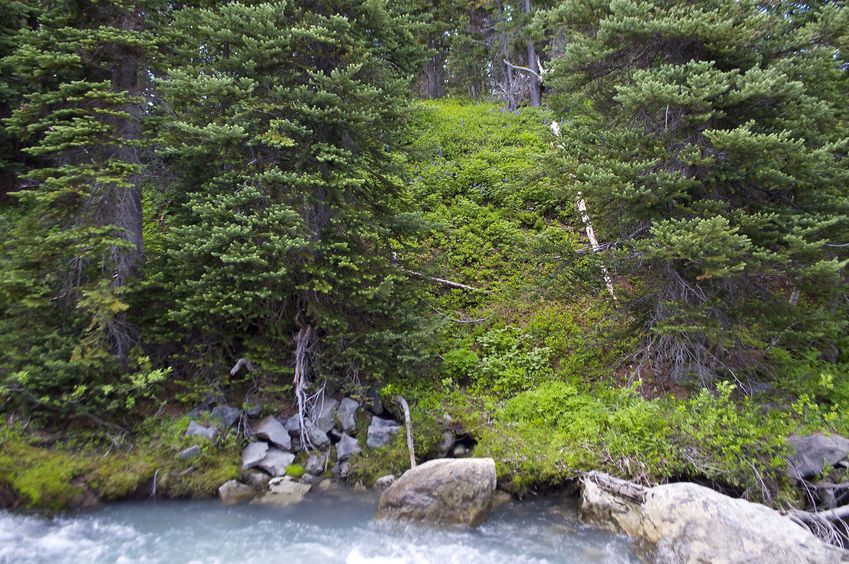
<point x="547" y="435"/>
<point x="733" y="443"/>
<point x="41" y="478"/>
<point x="286" y="200"/>
<point x="717" y="164"/>
<point x="509" y="363"/>
<point x="70" y="247"/>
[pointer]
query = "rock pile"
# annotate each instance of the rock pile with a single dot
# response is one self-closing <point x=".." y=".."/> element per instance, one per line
<point x="328" y="432"/>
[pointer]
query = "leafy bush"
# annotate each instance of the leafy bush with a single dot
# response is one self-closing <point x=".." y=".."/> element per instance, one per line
<point x="733" y="443"/>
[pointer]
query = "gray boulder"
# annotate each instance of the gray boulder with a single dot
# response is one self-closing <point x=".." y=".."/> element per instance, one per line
<point x="381" y="431"/>
<point x="227" y="415"/>
<point x="460" y="451"/>
<point x="346" y="415"/>
<point x="815" y="453"/>
<point x="233" y="492"/>
<point x="341" y="469"/>
<point x="190" y="452"/>
<point x="685" y="522"/>
<point x="346" y="447"/>
<point x="283" y="492"/>
<point x="315" y="464"/>
<point x="276" y="461"/>
<point x="316" y="437"/>
<point x="442" y="491"/>
<point x="324" y="414"/>
<point x="200" y="431"/>
<point x="274" y="432"/>
<point x="253" y="454"/>
<point x="310" y="479"/>
<point x="258" y="480"/>
<point x="293" y="426"/>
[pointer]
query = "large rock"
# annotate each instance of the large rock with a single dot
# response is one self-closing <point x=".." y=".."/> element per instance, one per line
<point x="381" y="431"/>
<point x="274" y="432"/>
<point x="316" y="437"/>
<point x="257" y="479"/>
<point x="347" y="447"/>
<point x="198" y="430"/>
<point x="283" y="492"/>
<point x="316" y="464"/>
<point x="293" y="425"/>
<point x="253" y="454"/>
<point x="815" y="453"/>
<point x="689" y="523"/>
<point x="276" y="461"/>
<point x="346" y="415"/>
<point x="442" y="491"/>
<point x="324" y="414"/>
<point x="227" y="415"/>
<point x="233" y="492"/>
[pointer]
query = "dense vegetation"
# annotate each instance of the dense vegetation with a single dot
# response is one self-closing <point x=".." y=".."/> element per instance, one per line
<point x="185" y="185"/>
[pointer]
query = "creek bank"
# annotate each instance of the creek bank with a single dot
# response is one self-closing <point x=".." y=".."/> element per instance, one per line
<point x="685" y="522"/>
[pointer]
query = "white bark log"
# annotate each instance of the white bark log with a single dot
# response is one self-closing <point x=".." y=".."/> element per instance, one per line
<point x="585" y="217"/>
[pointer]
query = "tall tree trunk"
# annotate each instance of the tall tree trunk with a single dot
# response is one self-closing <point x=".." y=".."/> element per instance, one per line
<point x="535" y="87"/>
<point x="124" y="204"/>
<point x="505" y="51"/>
<point x="434" y="73"/>
<point x="125" y="210"/>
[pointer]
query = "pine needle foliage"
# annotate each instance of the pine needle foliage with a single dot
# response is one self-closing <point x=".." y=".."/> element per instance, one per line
<point x="72" y="240"/>
<point x="286" y="202"/>
<point x="710" y="139"/>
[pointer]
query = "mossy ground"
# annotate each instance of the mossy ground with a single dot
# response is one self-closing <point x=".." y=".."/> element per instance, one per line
<point x="56" y="475"/>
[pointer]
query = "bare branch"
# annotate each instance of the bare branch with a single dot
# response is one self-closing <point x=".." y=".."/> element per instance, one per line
<point x="444" y="282"/>
<point x="521" y="68"/>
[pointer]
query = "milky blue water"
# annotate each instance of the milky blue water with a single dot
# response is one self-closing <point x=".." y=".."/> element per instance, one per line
<point x="324" y="528"/>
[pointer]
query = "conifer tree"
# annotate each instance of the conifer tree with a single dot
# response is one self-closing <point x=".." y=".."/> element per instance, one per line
<point x="74" y="242"/>
<point x="13" y="17"/>
<point x="710" y="139"/>
<point x="285" y="206"/>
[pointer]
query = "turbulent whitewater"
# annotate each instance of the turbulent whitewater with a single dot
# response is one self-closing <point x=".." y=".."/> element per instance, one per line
<point x="323" y="529"/>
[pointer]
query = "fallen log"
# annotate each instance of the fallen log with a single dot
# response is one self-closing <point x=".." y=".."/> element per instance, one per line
<point x="444" y="282"/>
<point x="622" y="488"/>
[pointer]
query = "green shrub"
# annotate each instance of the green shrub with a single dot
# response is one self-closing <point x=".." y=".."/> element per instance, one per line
<point x="733" y="443"/>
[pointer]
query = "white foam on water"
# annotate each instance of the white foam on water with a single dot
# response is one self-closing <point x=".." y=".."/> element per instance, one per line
<point x="318" y="530"/>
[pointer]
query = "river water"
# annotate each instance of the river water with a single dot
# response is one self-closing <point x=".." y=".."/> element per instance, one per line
<point x="324" y="528"/>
